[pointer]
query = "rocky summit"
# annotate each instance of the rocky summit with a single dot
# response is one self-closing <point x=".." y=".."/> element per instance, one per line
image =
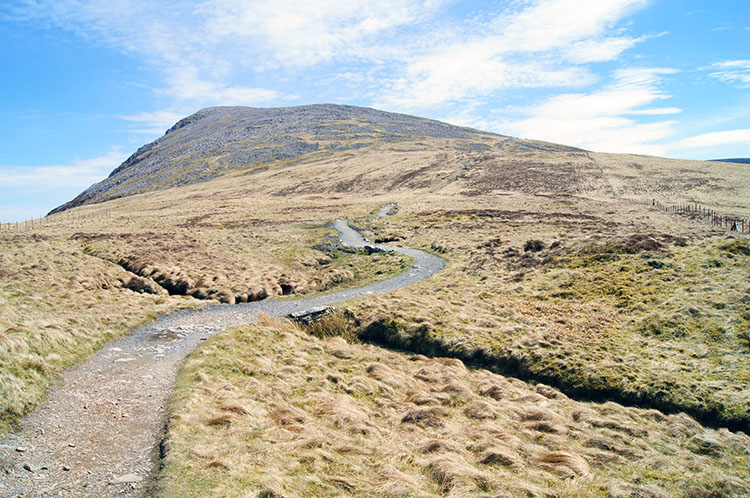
<point x="216" y="139"/>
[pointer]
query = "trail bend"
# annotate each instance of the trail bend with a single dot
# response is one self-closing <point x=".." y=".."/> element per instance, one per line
<point x="98" y="432"/>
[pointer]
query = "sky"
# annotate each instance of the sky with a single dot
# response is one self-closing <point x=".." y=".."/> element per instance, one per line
<point x="84" y="83"/>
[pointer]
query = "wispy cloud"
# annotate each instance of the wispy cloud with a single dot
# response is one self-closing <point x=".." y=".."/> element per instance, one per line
<point x="156" y="122"/>
<point x="544" y="43"/>
<point x="600" y="120"/>
<point x="205" y="49"/>
<point x="80" y="173"/>
<point x="398" y="54"/>
<point x="733" y="71"/>
<point x="741" y="136"/>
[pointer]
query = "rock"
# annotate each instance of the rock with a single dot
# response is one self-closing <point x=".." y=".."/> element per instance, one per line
<point x="26" y="466"/>
<point x="370" y="249"/>
<point x="132" y="477"/>
<point x="309" y="316"/>
<point x="238" y="136"/>
<point x="21" y="449"/>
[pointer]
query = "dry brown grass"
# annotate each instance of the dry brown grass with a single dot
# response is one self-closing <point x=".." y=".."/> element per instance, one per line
<point x="623" y="302"/>
<point x="69" y="286"/>
<point x="330" y="425"/>
<point x="612" y="304"/>
<point x="58" y="305"/>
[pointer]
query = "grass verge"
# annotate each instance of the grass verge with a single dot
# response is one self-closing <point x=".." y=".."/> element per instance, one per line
<point x="270" y="410"/>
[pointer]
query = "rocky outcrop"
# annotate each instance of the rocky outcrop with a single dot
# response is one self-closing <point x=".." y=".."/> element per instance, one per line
<point x="202" y="145"/>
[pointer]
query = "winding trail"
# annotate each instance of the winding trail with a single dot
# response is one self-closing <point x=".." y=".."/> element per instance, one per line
<point x="98" y="432"/>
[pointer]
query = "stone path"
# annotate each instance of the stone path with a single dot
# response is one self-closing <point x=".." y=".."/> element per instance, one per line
<point x="98" y="432"/>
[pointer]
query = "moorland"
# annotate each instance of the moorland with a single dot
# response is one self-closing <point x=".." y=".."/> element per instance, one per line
<point x="579" y="342"/>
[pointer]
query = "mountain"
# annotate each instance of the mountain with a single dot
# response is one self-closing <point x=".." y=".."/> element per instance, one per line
<point x="738" y="160"/>
<point x="203" y="145"/>
<point x="600" y="301"/>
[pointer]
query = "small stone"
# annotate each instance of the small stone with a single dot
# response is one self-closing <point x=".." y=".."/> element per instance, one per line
<point x="26" y="466"/>
<point x="66" y="468"/>
<point x="133" y="477"/>
<point x="72" y="445"/>
<point x="21" y="449"/>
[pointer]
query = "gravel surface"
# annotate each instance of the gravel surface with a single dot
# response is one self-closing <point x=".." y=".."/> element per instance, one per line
<point x="99" y="430"/>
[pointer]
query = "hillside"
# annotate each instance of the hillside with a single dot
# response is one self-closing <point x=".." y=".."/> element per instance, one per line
<point x="579" y="342"/>
<point x="217" y="139"/>
<point x="738" y="160"/>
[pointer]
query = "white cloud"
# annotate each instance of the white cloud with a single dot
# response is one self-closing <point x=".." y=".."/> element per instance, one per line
<point x="541" y="45"/>
<point x="402" y="54"/>
<point x="735" y="71"/>
<point x="304" y="33"/>
<point x="207" y="47"/>
<point x="599" y="50"/>
<point x="656" y="111"/>
<point x="186" y="84"/>
<point x="553" y="24"/>
<point x="157" y="121"/>
<point x="79" y="173"/>
<point x="741" y="136"/>
<point x="598" y="120"/>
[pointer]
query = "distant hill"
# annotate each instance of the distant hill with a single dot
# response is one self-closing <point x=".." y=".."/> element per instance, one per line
<point x="740" y="160"/>
<point x="203" y="145"/>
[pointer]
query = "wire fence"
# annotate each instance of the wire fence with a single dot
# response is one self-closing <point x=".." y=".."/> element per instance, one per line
<point x="693" y="210"/>
<point x="696" y="210"/>
<point x="63" y="218"/>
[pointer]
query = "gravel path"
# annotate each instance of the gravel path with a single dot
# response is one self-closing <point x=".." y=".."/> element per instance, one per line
<point x="98" y="432"/>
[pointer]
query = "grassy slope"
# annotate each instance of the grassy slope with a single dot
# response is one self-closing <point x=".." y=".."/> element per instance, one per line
<point x="62" y="295"/>
<point x="58" y="305"/>
<point x="635" y="315"/>
<point x="297" y="416"/>
<point x="623" y="302"/>
<point x="664" y="320"/>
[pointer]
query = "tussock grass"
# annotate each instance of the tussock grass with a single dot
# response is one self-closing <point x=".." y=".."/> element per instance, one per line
<point x="620" y="301"/>
<point x="57" y="306"/>
<point x="335" y="323"/>
<point x="315" y="423"/>
<point x="636" y="314"/>
<point x="68" y="287"/>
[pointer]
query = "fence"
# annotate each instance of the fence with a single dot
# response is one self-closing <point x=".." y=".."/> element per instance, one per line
<point x="54" y="219"/>
<point x="695" y="210"/>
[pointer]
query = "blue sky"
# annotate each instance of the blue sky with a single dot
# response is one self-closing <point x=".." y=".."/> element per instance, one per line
<point x="86" y="82"/>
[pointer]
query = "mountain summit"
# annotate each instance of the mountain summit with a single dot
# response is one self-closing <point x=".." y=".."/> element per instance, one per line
<point x="216" y="139"/>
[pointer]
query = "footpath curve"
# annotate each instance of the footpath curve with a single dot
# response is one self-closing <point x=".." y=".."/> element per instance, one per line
<point x="98" y="432"/>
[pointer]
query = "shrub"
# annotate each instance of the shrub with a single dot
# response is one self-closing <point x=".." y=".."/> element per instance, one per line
<point x="533" y="245"/>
